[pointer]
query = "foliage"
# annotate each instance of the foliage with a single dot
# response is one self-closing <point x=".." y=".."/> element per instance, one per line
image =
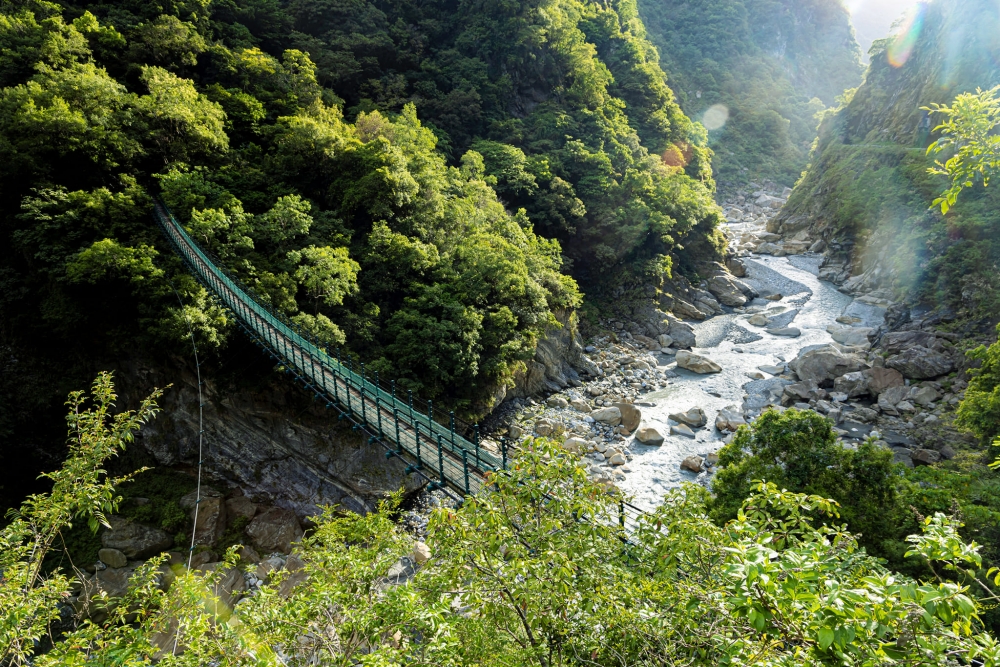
<point x="881" y="503"/>
<point x="773" y="64"/>
<point x="979" y="411"/>
<point x="81" y="492"/>
<point x="969" y="132"/>
<point x="536" y="570"/>
<point x="869" y="181"/>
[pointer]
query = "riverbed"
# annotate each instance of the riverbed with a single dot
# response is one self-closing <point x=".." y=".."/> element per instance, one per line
<point x="809" y="304"/>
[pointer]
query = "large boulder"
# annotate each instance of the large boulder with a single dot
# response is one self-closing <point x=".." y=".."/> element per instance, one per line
<point x="631" y="415"/>
<point x="921" y="363"/>
<point x="880" y="379"/>
<point x="136" y="541"/>
<point x="726" y="291"/>
<point x="649" y="436"/>
<point x="825" y="363"/>
<point x="729" y="419"/>
<point x="697" y="363"/>
<point x="898" y="341"/>
<point x="694" y="417"/>
<point x="851" y="336"/>
<point x="682" y="334"/>
<point x="275" y="530"/>
<point x="853" y="384"/>
<point x="688" y="310"/>
<point x="694" y="463"/>
<point x="611" y="416"/>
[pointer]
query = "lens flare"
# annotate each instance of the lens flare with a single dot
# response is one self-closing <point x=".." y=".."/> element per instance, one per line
<point x="715" y="117"/>
<point x="906" y="36"/>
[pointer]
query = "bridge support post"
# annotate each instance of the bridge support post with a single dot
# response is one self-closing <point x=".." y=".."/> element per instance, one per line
<point x="444" y="480"/>
<point x="465" y="468"/>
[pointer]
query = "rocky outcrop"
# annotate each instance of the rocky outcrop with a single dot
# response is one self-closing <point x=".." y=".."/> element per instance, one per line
<point x="558" y="362"/>
<point x="274" y="530"/>
<point x="134" y="540"/>
<point x="921" y="363"/>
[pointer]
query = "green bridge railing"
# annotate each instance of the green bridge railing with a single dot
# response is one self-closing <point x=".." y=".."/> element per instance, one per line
<point x="433" y="450"/>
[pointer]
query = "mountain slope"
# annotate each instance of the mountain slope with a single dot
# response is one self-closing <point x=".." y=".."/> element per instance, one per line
<point x="867" y="191"/>
<point x="772" y="64"/>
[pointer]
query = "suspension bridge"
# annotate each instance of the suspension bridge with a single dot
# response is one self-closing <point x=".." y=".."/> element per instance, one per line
<point x="427" y="441"/>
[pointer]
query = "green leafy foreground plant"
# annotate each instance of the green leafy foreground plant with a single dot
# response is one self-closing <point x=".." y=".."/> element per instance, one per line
<point x="534" y="571"/>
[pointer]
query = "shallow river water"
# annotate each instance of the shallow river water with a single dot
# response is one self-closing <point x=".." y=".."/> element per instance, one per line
<point x="739" y="348"/>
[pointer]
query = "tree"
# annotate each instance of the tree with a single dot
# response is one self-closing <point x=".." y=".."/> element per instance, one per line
<point x="979" y="411"/>
<point x="969" y="133"/>
<point x="81" y="491"/>
<point x="327" y="274"/>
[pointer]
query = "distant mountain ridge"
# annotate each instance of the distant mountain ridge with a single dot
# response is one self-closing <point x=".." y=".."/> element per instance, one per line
<point x="773" y="64"/>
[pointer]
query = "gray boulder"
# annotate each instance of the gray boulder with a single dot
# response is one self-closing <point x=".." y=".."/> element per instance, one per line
<point x="136" y="541"/>
<point x="729" y="419"/>
<point x="611" y="416"/>
<point x="921" y="363"/>
<point x="649" y="436"/>
<point x="112" y="558"/>
<point x="694" y="463"/>
<point x="898" y="341"/>
<point x="631" y="415"/>
<point x="694" y="417"/>
<point x="853" y="384"/>
<point x="926" y="457"/>
<point x="697" y="363"/>
<point x="852" y="336"/>
<point x="682" y="333"/>
<point x="726" y="291"/>
<point x="275" y="530"/>
<point x="825" y="363"/>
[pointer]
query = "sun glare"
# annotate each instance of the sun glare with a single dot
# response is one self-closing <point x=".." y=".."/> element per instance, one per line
<point x="906" y="35"/>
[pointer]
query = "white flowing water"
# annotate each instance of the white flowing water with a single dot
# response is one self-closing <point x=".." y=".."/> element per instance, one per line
<point x="740" y="349"/>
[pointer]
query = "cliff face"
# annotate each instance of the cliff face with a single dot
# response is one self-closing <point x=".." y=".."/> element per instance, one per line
<point x="867" y="193"/>
<point x="771" y="64"/>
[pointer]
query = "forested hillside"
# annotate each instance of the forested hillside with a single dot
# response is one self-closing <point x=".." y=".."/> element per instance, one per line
<point x="868" y="192"/>
<point x="771" y="64"/>
<point x="421" y="183"/>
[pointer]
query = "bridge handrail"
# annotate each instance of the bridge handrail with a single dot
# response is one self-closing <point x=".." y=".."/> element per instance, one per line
<point x="299" y="351"/>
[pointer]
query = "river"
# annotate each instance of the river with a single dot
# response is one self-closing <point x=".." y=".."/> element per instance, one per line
<point x="740" y="348"/>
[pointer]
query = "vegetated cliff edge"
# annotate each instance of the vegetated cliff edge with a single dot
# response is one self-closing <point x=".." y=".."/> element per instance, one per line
<point x="291" y="140"/>
<point x="867" y="191"/>
<point x="772" y="64"/>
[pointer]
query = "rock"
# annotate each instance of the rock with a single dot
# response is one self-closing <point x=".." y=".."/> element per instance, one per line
<point x="880" y="379"/>
<point x="825" y="363"/>
<point x="240" y="506"/>
<point x="575" y="445"/>
<point x="557" y="402"/>
<point x="920" y="363"/>
<point x="203" y="557"/>
<point x="694" y="463"/>
<point x="754" y="375"/>
<point x="515" y="432"/>
<point x="802" y="391"/>
<point x="925" y="457"/>
<point x="773" y="370"/>
<point x="580" y="405"/>
<point x="226" y="588"/>
<point x="900" y="341"/>
<point x="664" y="340"/>
<point x="771" y="249"/>
<point x="726" y="291"/>
<point x="248" y="555"/>
<point x="906" y="406"/>
<point x="136" y="541"/>
<point x="925" y="396"/>
<point x="682" y="429"/>
<point x="421" y="553"/>
<point x="617" y="459"/>
<point x="947" y="452"/>
<point x="902" y="455"/>
<point x="788" y="332"/>
<point x="211" y="521"/>
<point x="112" y="557"/>
<point x="758" y="320"/>
<point x="631" y="415"/>
<point x="852" y="336"/>
<point x="864" y="415"/>
<point x="688" y="310"/>
<point x="729" y="419"/>
<point x="543" y="427"/>
<point x="736" y="266"/>
<point x="649" y="436"/>
<point x="266" y="567"/>
<point x="694" y="417"/>
<point x="893" y="395"/>
<point x="611" y="416"/>
<point x="682" y="333"/>
<point x="853" y="384"/>
<point x="275" y="530"/>
<point x="697" y="363"/>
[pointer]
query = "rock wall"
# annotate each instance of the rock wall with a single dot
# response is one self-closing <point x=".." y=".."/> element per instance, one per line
<point x="276" y="443"/>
